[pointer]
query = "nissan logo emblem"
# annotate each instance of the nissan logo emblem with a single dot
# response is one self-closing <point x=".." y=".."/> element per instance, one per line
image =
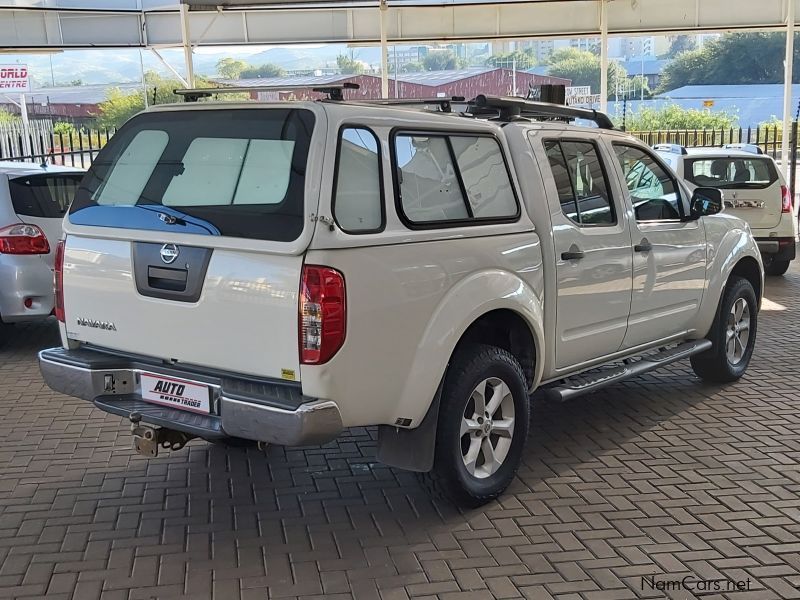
<point x="169" y="252"/>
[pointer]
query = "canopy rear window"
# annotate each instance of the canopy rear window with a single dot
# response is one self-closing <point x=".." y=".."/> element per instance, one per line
<point x="732" y="172"/>
<point x="234" y="172"/>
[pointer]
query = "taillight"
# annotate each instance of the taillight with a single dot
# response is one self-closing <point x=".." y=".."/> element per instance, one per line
<point x="58" y="281"/>
<point x="786" y="200"/>
<point x="323" y="315"/>
<point x="23" y="239"/>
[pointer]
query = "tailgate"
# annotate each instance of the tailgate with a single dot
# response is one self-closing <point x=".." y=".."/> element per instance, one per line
<point x="760" y="208"/>
<point x="186" y="239"/>
<point x="234" y="311"/>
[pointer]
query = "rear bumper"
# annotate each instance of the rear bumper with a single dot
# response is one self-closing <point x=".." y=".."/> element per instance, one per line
<point x="778" y="248"/>
<point x="276" y="413"/>
<point x="21" y="278"/>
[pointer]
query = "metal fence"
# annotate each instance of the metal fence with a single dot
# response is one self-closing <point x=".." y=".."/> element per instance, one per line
<point x="46" y="143"/>
<point x="769" y="138"/>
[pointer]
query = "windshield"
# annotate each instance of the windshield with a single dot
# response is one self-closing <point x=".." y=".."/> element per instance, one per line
<point x="732" y="172"/>
<point x="232" y="172"/>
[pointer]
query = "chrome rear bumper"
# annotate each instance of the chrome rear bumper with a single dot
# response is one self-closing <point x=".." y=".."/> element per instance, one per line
<point x="276" y="413"/>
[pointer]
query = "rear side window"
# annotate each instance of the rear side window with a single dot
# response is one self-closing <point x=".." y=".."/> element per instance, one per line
<point x="452" y="179"/>
<point x="238" y="173"/>
<point x="358" y="200"/>
<point x="583" y="190"/>
<point x="47" y="195"/>
<point x="728" y="173"/>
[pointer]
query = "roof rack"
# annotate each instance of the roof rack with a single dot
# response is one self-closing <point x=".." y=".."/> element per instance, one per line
<point x="334" y="92"/>
<point x="510" y="109"/>
<point x="751" y="148"/>
<point x="444" y="104"/>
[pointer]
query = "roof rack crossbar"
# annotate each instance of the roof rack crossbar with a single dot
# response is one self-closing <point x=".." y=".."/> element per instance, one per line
<point x="334" y="92"/>
<point x="510" y="108"/>
<point x="444" y="104"/>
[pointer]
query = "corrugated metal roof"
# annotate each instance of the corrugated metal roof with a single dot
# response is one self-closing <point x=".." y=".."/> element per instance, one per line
<point x="761" y="90"/>
<point x="437" y="78"/>
<point x="289" y="81"/>
<point x="81" y="94"/>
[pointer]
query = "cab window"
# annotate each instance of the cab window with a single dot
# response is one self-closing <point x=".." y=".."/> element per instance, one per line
<point x="654" y="192"/>
<point x="580" y="179"/>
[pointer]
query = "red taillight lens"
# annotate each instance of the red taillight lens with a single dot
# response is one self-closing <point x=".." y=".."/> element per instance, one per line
<point x="23" y="239"/>
<point x="58" y="281"/>
<point x="786" y="200"/>
<point x="323" y="314"/>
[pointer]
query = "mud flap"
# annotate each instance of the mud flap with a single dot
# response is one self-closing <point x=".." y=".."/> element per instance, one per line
<point x="411" y="449"/>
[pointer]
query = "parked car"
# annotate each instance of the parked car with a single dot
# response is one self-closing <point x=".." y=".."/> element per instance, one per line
<point x="755" y="191"/>
<point x="33" y="201"/>
<point x="280" y="271"/>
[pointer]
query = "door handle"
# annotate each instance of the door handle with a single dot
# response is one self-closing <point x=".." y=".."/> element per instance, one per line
<point x="643" y="246"/>
<point x="572" y="255"/>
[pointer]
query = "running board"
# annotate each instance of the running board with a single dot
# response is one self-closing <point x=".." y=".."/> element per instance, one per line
<point x="575" y="386"/>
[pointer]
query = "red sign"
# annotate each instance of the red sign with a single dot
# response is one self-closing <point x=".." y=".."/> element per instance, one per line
<point x="14" y="78"/>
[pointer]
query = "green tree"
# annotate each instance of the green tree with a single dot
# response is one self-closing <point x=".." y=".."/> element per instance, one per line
<point x="442" y="60"/>
<point x="7" y="117"/>
<point x="64" y="128"/>
<point x="680" y="44"/>
<point x="736" y="58"/>
<point x="119" y="106"/>
<point x="412" y="67"/>
<point x="349" y="66"/>
<point x="524" y="59"/>
<point x="262" y="71"/>
<point x="673" y="116"/>
<point x="583" y="68"/>
<point x="230" y="68"/>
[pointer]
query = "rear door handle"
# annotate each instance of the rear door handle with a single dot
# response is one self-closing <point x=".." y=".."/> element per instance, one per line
<point x="572" y="255"/>
<point x="643" y="246"/>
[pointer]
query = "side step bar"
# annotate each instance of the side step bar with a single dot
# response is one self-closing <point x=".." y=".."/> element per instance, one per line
<point x="575" y="386"/>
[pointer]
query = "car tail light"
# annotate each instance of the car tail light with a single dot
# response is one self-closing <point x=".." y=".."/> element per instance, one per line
<point x="58" y="281"/>
<point x="323" y="314"/>
<point x="23" y="239"/>
<point x="786" y="200"/>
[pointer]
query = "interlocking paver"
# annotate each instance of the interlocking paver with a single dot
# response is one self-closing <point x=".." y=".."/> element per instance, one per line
<point x="659" y="477"/>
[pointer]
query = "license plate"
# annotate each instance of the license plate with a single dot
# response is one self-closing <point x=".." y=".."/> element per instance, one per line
<point x="176" y="393"/>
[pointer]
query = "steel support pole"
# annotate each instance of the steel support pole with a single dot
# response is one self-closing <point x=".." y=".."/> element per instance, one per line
<point x="384" y="53"/>
<point x="187" y="46"/>
<point x="787" y="87"/>
<point x="604" y="55"/>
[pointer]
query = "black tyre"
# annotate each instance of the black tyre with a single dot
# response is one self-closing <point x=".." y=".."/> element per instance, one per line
<point x="483" y="423"/>
<point x="776" y="268"/>
<point x="733" y="335"/>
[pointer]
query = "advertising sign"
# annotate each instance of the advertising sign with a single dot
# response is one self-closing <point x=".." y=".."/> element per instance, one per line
<point x="14" y="78"/>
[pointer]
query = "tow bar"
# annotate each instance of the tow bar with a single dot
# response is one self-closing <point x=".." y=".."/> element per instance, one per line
<point x="146" y="439"/>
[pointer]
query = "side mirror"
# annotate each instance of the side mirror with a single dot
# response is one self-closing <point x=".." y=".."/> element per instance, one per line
<point x="705" y="201"/>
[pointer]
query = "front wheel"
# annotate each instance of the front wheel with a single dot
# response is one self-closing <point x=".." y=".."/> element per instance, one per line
<point x="776" y="268"/>
<point x="483" y="424"/>
<point x="733" y="335"/>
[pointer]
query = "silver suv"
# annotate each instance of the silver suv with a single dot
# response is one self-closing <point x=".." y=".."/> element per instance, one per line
<point x="33" y="202"/>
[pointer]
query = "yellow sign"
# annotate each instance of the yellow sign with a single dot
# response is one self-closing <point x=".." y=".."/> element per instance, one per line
<point x="708" y="103"/>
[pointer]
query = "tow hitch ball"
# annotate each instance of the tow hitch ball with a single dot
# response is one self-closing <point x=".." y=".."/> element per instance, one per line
<point x="146" y="439"/>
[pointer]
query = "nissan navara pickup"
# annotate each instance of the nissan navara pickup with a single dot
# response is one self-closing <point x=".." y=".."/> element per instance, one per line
<point x="278" y="272"/>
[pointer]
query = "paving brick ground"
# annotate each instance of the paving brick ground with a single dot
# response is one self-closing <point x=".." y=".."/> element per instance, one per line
<point x="662" y="477"/>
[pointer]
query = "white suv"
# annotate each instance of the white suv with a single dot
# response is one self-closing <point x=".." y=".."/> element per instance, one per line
<point x="278" y="272"/>
<point x="755" y="191"/>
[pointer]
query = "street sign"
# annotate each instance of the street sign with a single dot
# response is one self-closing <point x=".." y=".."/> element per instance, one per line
<point x="581" y="94"/>
<point x="14" y="78"/>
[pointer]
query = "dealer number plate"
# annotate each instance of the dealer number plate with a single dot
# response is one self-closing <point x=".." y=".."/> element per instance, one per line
<point x="176" y="393"/>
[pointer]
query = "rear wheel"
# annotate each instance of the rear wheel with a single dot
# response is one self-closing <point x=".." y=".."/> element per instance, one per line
<point x="483" y="423"/>
<point x="776" y="267"/>
<point x="733" y="335"/>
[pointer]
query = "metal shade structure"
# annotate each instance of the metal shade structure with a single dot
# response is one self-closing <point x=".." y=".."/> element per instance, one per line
<point x="61" y="24"/>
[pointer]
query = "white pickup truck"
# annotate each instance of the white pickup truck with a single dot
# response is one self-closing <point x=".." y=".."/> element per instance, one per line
<point x="277" y="272"/>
